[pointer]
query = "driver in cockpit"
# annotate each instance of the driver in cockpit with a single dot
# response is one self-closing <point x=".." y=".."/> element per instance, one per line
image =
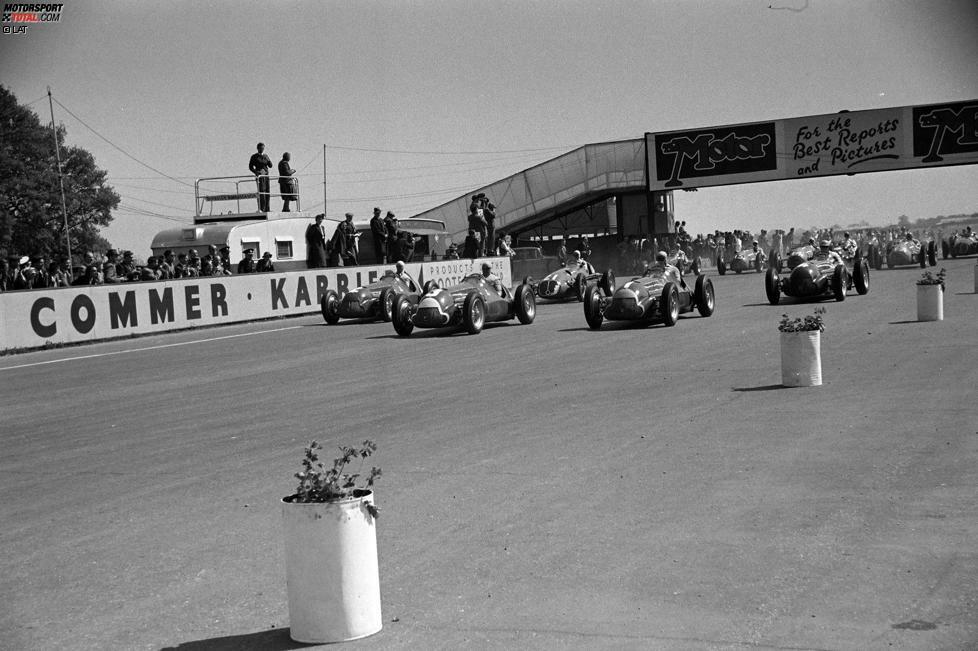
<point x="401" y="273"/>
<point x="668" y="271"/>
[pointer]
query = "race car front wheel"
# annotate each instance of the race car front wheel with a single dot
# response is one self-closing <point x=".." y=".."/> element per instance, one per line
<point x="669" y="304"/>
<point x="593" y="312"/>
<point x="474" y="313"/>
<point x="526" y="304"/>
<point x="330" y="306"/>
<point x="401" y="316"/>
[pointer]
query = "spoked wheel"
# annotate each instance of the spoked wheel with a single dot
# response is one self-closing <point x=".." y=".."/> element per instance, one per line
<point x="839" y="283"/>
<point x="772" y="286"/>
<point x="330" y="306"/>
<point x="401" y="316"/>
<point x="608" y="282"/>
<point x="526" y="304"/>
<point x="669" y="304"/>
<point x="860" y="276"/>
<point x="593" y="309"/>
<point x="474" y="313"/>
<point x="387" y="304"/>
<point x="704" y="296"/>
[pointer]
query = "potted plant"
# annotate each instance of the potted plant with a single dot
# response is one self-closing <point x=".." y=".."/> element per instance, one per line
<point x="930" y="296"/>
<point x="333" y="581"/>
<point x="801" y="353"/>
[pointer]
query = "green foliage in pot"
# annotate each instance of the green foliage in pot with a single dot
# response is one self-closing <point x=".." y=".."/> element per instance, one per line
<point x="319" y="482"/>
<point x="803" y="324"/>
<point x="930" y="278"/>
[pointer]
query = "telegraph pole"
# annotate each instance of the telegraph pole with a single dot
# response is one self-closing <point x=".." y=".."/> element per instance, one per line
<point x="61" y="183"/>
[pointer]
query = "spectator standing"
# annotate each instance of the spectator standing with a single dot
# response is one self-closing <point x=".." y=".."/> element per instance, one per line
<point x="4" y="274"/>
<point x="451" y="253"/>
<point x="152" y="269"/>
<point x="506" y="246"/>
<point x="127" y="268"/>
<point x="378" y="229"/>
<point x="562" y="252"/>
<point x="166" y="265"/>
<point x="226" y="260"/>
<point x="111" y="273"/>
<point x="90" y="275"/>
<point x="347" y="240"/>
<point x="248" y="264"/>
<point x="266" y="264"/>
<point x="470" y="248"/>
<point x="585" y="248"/>
<point x="286" y="183"/>
<point x="316" y="243"/>
<point x="489" y="214"/>
<point x="193" y="263"/>
<point x="405" y="246"/>
<point x="259" y="164"/>
<point x="59" y="277"/>
<point x="392" y="226"/>
<point x="42" y="275"/>
<point x="478" y="225"/>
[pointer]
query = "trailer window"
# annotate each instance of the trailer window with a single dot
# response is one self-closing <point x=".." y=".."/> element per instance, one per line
<point x="283" y="248"/>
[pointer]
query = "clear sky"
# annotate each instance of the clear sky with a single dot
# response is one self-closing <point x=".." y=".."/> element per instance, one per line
<point x="420" y="101"/>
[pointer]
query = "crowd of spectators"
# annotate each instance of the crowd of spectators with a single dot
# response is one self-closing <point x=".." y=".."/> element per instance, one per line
<point x="36" y="272"/>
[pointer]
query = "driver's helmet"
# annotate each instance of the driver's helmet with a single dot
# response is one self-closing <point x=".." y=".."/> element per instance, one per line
<point x="909" y="236"/>
<point x="661" y="257"/>
<point x="399" y="266"/>
<point x="825" y="245"/>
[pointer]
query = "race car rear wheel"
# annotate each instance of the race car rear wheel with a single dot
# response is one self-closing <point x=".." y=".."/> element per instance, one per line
<point x="401" y="316"/>
<point x="923" y="256"/>
<point x="721" y="265"/>
<point x="860" y="276"/>
<point x="704" y="297"/>
<point x="772" y="286"/>
<point x="580" y="286"/>
<point x="757" y="263"/>
<point x="330" y="306"/>
<point x="608" y="282"/>
<point x="669" y="304"/>
<point x="945" y="249"/>
<point x="474" y="313"/>
<point x="695" y="266"/>
<point x="526" y="304"/>
<point x="593" y="311"/>
<point x="839" y="283"/>
<point x="932" y="253"/>
<point x="387" y="297"/>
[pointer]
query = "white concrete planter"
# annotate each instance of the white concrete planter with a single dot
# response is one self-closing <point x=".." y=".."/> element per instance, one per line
<point x="332" y="573"/>
<point x="801" y="358"/>
<point x="930" y="303"/>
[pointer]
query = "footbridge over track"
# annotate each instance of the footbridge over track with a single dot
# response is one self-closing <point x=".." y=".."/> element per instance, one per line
<point x="573" y="193"/>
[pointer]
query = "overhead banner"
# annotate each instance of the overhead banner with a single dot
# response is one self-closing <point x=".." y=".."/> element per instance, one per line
<point x="852" y="142"/>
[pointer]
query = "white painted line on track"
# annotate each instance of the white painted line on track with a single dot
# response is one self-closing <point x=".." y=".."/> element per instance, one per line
<point x="139" y="350"/>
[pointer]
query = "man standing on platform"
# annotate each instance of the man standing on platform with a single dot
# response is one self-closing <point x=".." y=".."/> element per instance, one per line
<point x="259" y="165"/>
<point x="316" y="243"/>
<point x="379" y="231"/>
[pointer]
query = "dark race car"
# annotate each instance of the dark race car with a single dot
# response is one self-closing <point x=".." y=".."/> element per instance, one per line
<point x="817" y="279"/>
<point x="745" y="260"/>
<point x="902" y="253"/>
<point x="660" y="295"/>
<point x="373" y="301"/>
<point x="468" y="305"/>
<point x="568" y="282"/>
<point x="795" y="257"/>
<point x="960" y="244"/>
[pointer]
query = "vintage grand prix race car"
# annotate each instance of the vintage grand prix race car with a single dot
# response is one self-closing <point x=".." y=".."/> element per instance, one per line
<point x="902" y="253"/>
<point x="660" y="295"/>
<point x="568" y="282"/>
<point x="468" y="305"/>
<point x="373" y="301"/>
<point x="959" y="245"/>
<point x="817" y="279"/>
<point x="743" y="261"/>
<point x="795" y="257"/>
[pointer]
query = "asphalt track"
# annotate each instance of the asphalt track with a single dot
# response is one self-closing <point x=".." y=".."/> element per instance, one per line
<point x="545" y="486"/>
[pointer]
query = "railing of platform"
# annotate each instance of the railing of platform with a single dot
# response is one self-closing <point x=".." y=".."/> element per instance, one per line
<point x="208" y="195"/>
